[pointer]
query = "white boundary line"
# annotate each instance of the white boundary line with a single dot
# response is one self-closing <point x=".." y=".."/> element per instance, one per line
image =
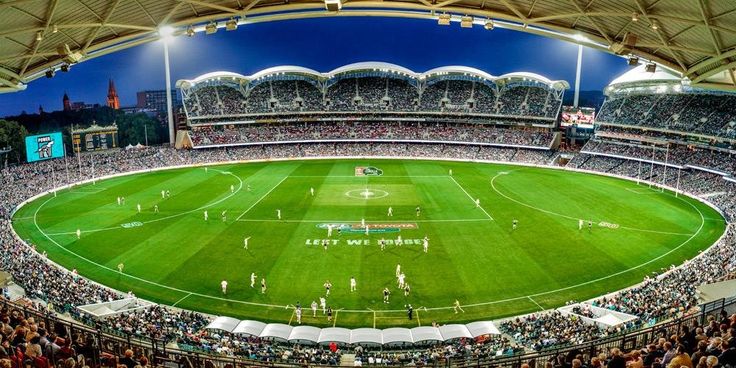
<point x="469" y="196"/>
<point x="357" y="221"/>
<point x="182" y="299"/>
<point x="240" y="186"/>
<point x="493" y="185"/>
<point x="260" y="199"/>
<point x="367" y="310"/>
<point x="535" y="302"/>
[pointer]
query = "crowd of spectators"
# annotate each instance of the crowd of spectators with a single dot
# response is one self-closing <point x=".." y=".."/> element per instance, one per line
<point x="693" y="113"/>
<point x="62" y="290"/>
<point x="682" y="155"/>
<point x="209" y="135"/>
<point x="369" y="94"/>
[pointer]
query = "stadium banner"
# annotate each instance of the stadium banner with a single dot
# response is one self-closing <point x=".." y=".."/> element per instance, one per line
<point x="44" y="147"/>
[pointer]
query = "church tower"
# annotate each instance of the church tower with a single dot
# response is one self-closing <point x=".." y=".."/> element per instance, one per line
<point x="112" y="96"/>
<point x="67" y="103"/>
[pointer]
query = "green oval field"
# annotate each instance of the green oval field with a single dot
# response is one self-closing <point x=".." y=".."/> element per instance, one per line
<point x="474" y="256"/>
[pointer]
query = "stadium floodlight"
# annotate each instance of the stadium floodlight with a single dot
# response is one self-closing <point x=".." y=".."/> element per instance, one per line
<point x="39" y="36"/>
<point x="655" y="24"/>
<point x="443" y="19"/>
<point x="64" y="68"/>
<point x="466" y="22"/>
<point x="489" y="25"/>
<point x="190" y="31"/>
<point x="50" y="73"/>
<point x="210" y="28"/>
<point x="166" y="32"/>
<point x="651" y="67"/>
<point x="333" y="5"/>
<point x="634" y="17"/>
<point x="633" y="60"/>
<point x="231" y="24"/>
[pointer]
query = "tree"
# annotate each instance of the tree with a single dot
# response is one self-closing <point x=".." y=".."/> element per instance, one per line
<point x="13" y="135"/>
<point x="132" y="129"/>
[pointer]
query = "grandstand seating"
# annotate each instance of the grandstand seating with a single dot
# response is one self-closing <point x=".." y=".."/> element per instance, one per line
<point x="711" y="115"/>
<point x="373" y="92"/>
<point x="213" y="135"/>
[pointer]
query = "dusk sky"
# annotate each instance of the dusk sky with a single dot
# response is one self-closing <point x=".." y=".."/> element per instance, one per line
<point x="320" y="44"/>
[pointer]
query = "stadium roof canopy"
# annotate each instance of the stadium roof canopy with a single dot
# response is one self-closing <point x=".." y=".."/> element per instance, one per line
<point x="695" y="38"/>
<point x="361" y="68"/>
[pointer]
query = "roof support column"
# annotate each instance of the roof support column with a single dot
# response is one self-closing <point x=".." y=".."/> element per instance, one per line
<point x="577" y="75"/>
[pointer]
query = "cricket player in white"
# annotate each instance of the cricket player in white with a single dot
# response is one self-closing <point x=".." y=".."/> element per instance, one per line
<point x="224" y="216"/>
<point x="477" y="202"/>
<point x="353" y="284"/>
<point x="399" y="242"/>
<point x="206" y="215"/>
<point x="383" y="244"/>
<point x="580" y="224"/>
<point x="155" y="208"/>
<point x="362" y="222"/>
<point x="329" y="230"/>
<point x="402" y="279"/>
<point x="278" y="214"/>
<point x="253" y="278"/>
<point x="398" y="270"/>
<point x="245" y="246"/>
<point x="457" y="306"/>
<point x="120" y="267"/>
<point x="223" y="284"/>
<point x="232" y="188"/>
<point x="314" y="308"/>
<point x="311" y="190"/>
<point x="367" y="232"/>
<point x="79" y="233"/>
<point x="323" y="304"/>
<point x="298" y="315"/>
<point x="163" y="194"/>
<point x="118" y="201"/>
<point x="390" y="212"/>
<point x="138" y="206"/>
<point x="425" y="244"/>
<point x="450" y="172"/>
<point x="263" y="285"/>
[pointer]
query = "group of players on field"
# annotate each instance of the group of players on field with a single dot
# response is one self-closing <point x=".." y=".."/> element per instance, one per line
<point x="402" y="283"/>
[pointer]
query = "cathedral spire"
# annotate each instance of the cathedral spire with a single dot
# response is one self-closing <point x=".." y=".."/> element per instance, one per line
<point x="112" y="96"/>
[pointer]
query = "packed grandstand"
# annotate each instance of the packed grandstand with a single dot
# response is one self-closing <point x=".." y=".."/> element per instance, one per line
<point x="652" y="131"/>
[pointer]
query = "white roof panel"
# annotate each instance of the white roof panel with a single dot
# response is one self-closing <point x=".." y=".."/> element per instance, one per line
<point x="304" y="333"/>
<point x="366" y="335"/>
<point x="223" y="323"/>
<point x="276" y="330"/>
<point x="426" y="333"/>
<point x="251" y="328"/>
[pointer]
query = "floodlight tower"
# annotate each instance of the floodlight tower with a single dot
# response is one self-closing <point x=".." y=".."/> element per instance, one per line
<point x="167" y="34"/>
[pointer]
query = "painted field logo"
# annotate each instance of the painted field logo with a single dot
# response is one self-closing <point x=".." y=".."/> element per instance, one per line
<point x="128" y="225"/>
<point x="372" y="228"/>
<point x="608" y="225"/>
<point x="368" y="171"/>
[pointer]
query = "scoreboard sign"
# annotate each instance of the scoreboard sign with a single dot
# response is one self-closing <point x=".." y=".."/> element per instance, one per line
<point x="44" y="147"/>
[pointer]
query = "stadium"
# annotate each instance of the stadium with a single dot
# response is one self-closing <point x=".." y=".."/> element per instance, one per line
<point x="374" y="213"/>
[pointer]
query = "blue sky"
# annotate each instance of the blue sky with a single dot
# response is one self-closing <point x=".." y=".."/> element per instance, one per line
<point x="320" y="44"/>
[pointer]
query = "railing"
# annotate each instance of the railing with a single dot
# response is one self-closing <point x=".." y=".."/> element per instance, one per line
<point x="103" y="344"/>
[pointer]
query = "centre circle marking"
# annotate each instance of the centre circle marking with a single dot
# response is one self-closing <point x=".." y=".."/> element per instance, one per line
<point x="366" y="193"/>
